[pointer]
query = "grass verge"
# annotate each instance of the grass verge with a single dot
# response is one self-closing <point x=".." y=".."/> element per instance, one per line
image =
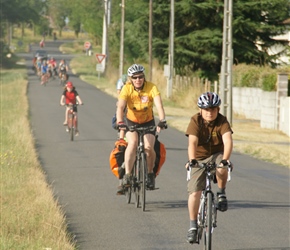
<point x="30" y="217"/>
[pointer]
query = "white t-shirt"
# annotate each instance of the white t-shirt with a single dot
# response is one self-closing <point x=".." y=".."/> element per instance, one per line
<point x="120" y="84"/>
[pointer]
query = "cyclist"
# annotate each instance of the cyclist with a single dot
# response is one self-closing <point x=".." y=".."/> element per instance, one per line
<point x="63" y="69"/>
<point x="44" y="72"/>
<point x="70" y="96"/>
<point x="138" y="96"/>
<point x="119" y="85"/>
<point x="52" y="66"/>
<point x="38" y="65"/>
<point x="121" y="82"/>
<point x="209" y="140"/>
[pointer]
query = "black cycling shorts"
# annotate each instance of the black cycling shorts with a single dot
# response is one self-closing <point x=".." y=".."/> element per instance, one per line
<point x="146" y="124"/>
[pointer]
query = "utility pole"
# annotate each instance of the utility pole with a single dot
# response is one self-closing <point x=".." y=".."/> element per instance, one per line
<point x="121" y="67"/>
<point x="106" y="20"/>
<point x="227" y="62"/>
<point x="150" y="39"/>
<point x="171" y="50"/>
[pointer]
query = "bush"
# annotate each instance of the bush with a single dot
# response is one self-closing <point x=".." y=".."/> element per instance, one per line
<point x="257" y="77"/>
<point x="269" y="82"/>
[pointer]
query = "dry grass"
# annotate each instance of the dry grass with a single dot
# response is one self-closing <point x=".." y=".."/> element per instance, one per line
<point x="30" y="218"/>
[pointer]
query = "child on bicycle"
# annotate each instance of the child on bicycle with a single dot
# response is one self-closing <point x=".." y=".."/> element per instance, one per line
<point x="209" y="140"/>
<point x="70" y="96"/>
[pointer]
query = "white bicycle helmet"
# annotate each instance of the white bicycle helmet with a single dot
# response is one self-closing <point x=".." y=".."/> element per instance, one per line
<point x="134" y="69"/>
<point x="208" y="100"/>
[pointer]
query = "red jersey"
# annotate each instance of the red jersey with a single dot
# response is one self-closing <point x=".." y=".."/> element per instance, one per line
<point x="70" y="97"/>
<point x="52" y="63"/>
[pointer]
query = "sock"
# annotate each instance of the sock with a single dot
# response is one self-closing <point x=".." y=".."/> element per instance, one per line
<point x="221" y="191"/>
<point x="193" y="224"/>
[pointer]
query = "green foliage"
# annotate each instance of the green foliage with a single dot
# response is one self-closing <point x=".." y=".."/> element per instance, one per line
<point x="257" y="77"/>
<point x="269" y="82"/>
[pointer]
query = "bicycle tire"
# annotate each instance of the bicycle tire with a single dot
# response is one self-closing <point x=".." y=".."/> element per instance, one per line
<point x="137" y="183"/>
<point x="143" y="181"/>
<point x="70" y="126"/>
<point x="128" y="192"/>
<point x="201" y="222"/>
<point x="208" y="228"/>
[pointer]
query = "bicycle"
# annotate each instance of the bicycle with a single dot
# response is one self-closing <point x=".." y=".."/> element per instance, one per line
<point x="63" y="79"/>
<point x="71" y="121"/>
<point x="45" y="78"/>
<point x="207" y="212"/>
<point x="139" y="171"/>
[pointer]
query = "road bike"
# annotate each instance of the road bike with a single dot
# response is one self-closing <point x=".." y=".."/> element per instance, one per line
<point x="139" y="171"/>
<point x="207" y="212"/>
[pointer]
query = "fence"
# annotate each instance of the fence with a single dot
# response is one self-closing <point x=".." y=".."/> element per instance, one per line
<point x="272" y="109"/>
<point x="184" y="82"/>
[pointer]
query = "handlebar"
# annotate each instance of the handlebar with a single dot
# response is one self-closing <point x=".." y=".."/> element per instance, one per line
<point x="210" y="166"/>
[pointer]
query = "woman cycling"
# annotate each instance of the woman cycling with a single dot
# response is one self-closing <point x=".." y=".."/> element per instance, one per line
<point x="70" y="96"/>
<point x="138" y="96"/>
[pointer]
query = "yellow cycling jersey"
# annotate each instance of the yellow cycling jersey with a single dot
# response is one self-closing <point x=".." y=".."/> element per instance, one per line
<point x="139" y="102"/>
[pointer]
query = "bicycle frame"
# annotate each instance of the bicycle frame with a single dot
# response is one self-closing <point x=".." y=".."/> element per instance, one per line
<point x="71" y="122"/>
<point x="207" y="212"/>
<point x="139" y="171"/>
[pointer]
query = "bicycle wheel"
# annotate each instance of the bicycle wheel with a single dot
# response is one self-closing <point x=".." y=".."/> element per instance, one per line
<point x="70" y="126"/>
<point x="137" y="181"/>
<point x="143" y="171"/>
<point x="128" y="192"/>
<point x="208" y="228"/>
<point x="201" y="219"/>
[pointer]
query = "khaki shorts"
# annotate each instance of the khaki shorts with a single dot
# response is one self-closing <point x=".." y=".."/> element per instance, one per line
<point x="197" y="175"/>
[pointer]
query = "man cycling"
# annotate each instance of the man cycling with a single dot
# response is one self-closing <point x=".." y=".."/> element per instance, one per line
<point x="63" y="69"/>
<point x="138" y="96"/>
<point x="70" y="96"/>
<point x="209" y="140"/>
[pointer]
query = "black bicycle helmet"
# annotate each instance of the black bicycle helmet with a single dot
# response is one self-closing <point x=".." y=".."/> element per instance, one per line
<point x="134" y="69"/>
<point x="208" y="100"/>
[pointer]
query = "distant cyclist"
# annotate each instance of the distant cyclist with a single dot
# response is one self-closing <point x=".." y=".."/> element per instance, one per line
<point x="70" y="96"/>
<point x="63" y="69"/>
<point x="52" y="66"/>
<point x="44" y="72"/>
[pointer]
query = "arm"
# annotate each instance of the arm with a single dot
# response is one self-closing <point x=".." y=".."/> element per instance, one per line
<point x="228" y="145"/>
<point x="62" y="100"/>
<point x="159" y="106"/>
<point x="79" y="100"/>
<point x="192" y="146"/>
<point x="161" y="113"/>
<point x="120" y="110"/>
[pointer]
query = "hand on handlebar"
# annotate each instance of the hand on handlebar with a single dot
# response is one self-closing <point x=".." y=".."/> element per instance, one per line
<point x="121" y="126"/>
<point x="162" y="124"/>
<point x="224" y="163"/>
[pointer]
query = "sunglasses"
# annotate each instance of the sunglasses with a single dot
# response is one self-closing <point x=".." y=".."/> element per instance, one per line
<point x="137" y="77"/>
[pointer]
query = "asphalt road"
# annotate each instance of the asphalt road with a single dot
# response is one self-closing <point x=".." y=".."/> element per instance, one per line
<point x="81" y="179"/>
